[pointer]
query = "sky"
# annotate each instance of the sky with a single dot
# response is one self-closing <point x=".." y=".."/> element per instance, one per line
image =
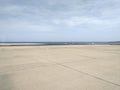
<point x="59" y="20"/>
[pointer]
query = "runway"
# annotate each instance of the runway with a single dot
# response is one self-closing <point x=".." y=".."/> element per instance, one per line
<point x="66" y="67"/>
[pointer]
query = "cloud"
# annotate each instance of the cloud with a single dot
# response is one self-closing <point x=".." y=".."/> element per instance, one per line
<point x="25" y="26"/>
<point x="54" y="16"/>
<point x="9" y="9"/>
<point x="75" y="21"/>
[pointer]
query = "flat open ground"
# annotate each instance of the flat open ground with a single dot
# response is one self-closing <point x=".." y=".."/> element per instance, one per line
<point x="77" y="67"/>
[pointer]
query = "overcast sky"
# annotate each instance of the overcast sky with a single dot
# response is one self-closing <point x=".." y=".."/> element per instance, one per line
<point x="59" y="20"/>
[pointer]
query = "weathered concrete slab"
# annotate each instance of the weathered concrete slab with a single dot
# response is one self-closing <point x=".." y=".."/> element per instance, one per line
<point x="84" y="67"/>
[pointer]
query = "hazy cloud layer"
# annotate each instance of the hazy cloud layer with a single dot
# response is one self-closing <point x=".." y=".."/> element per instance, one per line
<point x="59" y="20"/>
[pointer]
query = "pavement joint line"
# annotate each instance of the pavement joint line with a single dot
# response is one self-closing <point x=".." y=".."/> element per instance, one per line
<point x="26" y="64"/>
<point x="88" y="56"/>
<point x="111" y="52"/>
<point x="88" y="74"/>
<point x="70" y="62"/>
<point x="24" y="68"/>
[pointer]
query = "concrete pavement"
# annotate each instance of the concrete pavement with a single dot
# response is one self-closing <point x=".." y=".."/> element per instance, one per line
<point x="77" y="67"/>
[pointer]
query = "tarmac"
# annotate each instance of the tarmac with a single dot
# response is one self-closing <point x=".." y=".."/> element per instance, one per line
<point x="64" y="67"/>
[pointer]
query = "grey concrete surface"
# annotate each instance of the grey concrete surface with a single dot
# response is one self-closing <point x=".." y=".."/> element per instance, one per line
<point x="77" y="67"/>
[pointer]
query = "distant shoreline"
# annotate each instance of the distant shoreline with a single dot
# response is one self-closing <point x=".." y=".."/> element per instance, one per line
<point x="56" y="43"/>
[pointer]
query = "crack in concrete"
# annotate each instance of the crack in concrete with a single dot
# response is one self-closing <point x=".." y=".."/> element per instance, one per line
<point x="88" y="74"/>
